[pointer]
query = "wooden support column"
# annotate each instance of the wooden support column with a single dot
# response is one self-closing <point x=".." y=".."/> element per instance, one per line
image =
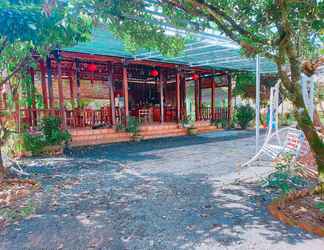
<point x="5" y="101"/>
<point x="71" y="85"/>
<point x="213" y="99"/>
<point x="50" y="83"/>
<point x="162" y="77"/>
<point x="33" y="98"/>
<point x="112" y="96"/>
<point x="197" y="104"/>
<point x="178" y="96"/>
<point x="125" y="89"/>
<point x="229" y="100"/>
<point x="43" y="82"/>
<point x="183" y="89"/>
<point x="77" y="66"/>
<point x="60" y="87"/>
<point x="200" y="97"/>
<point x="17" y="109"/>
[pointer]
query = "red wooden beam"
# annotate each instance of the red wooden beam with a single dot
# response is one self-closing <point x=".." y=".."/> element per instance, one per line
<point x="98" y="58"/>
<point x="213" y="99"/>
<point x="34" y="113"/>
<point x="178" y="95"/>
<point x="125" y="89"/>
<point x="60" y="91"/>
<point x="197" y="99"/>
<point x="43" y="82"/>
<point x="229" y="99"/>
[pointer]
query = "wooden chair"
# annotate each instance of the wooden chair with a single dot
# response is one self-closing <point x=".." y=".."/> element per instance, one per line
<point x="144" y="115"/>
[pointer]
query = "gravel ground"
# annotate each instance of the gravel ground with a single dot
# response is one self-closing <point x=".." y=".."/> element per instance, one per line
<point x="180" y="193"/>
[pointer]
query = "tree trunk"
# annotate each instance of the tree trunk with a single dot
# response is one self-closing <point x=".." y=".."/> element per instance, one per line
<point x="3" y="171"/>
<point x="306" y="125"/>
<point x="314" y="140"/>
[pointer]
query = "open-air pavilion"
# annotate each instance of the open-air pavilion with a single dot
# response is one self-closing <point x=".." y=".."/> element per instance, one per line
<point x="99" y="83"/>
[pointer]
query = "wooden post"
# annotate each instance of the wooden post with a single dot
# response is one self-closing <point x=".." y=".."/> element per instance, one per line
<point x="125" y="89"/>
<point x="162" y="76"/>
<point x="32" y="92"/>
<point x="112" y="96"/>
<point x="43" y="82"/>
<point x="77" y="65"/>
<point x="60" y="87"/>
<point x="183" y="89"/>
<point x="197" y="100"/>
<point x="229" y="100"/>
<point x="178" y="96"/>
<point x="5" y="104"/>
<point x="71" y="84"/>
<point x="200" y="97"/>
<point x="213" y="99"/>
<point x="50" y="82"/>
<point x="17" y="109"/>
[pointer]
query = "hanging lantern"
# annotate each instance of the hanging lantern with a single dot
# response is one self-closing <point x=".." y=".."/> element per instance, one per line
<point x="195" y="77"/>
<point x="154" y="73"/>
<point x="92" y="68"/>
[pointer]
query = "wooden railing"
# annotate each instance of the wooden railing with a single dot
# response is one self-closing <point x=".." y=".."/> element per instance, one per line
<point x="79" y="118"/>
<point x="218" y="114"/>
<point x="75" y="118"/>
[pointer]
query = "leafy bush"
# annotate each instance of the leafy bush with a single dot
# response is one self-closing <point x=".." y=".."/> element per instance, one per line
<point x="50" y="134"/>
<point x="133" y="125"/>
<point x="285" y="178"/>
<point x="187" y="121"/>
<point x="50" y="127"/>
<point x="34" y="143"/>
<point x="244" y="115"/>
<point x="220" y="123"/>
<point x="320" y="205"/>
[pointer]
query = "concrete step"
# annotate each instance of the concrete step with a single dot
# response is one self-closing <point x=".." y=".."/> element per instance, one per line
<point x="79" y="143"/>
<point x="159" y="127"/>
<point x="88" y="131"/>
<point x="163" y="131"/>
<point x="202" y="124"/>
<point x="164" y="135"/>
<point x="99" y="137"/>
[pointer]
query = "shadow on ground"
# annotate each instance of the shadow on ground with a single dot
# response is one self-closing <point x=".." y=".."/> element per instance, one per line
<point x="98" y="203"/>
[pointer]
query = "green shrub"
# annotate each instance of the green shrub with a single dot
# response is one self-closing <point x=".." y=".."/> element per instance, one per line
<point x="285" y="179"/>
<point x="34" y="143"/>
<point x="133" y="125"/>
<point x="187" y="121"/>
<point x="244" y="115"/>
<point x="50" y="127"/>
<point x="220" y="123"/>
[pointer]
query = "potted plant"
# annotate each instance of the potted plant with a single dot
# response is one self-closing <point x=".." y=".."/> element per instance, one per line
<point x="133" y="127"/>
<point x="192" y="130"/>
<point x="188" y="123"/>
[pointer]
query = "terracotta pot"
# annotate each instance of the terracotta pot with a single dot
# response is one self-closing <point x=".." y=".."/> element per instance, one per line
<point x="137" y="138"/>
<point x="192" y="131"/>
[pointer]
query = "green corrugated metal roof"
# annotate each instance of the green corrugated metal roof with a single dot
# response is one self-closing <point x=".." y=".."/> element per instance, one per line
<point x="210" y="53"/>
<point x="102" y="43"/>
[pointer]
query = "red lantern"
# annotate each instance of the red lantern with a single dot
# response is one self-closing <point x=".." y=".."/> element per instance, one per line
<point x="92" y="67"/>
<point x="195" y="77"/>
<point x="154" y="73"/>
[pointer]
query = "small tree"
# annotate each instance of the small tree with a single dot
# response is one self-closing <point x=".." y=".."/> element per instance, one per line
<point x="283" y="31"/>
<point x="29" y="30"/>
<point x="244" y="114"/>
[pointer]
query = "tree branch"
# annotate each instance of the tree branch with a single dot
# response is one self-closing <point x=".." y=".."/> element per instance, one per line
<point x="22" y="64"/>
<point x="219" y="20"/>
